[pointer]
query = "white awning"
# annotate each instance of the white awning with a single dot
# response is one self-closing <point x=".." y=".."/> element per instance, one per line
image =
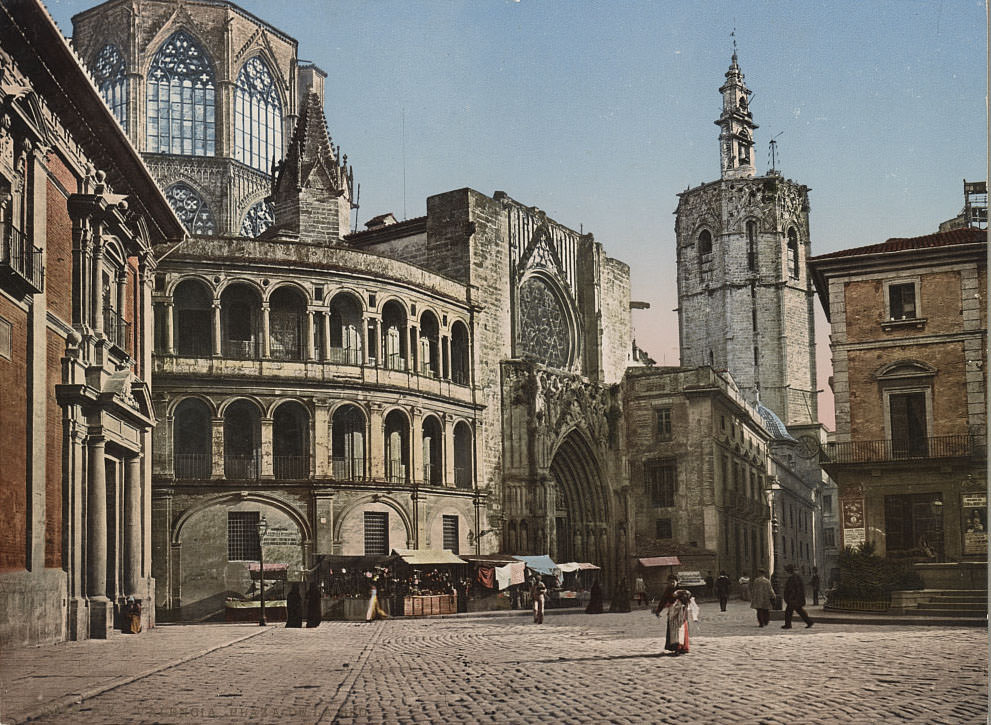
<point x="423" y="557"/>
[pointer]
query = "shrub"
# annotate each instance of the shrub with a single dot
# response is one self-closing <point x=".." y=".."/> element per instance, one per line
<point x="866" y="576"/>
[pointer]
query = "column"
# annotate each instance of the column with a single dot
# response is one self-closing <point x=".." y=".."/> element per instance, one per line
<point x="416" y="446"/>
<point x="448" y="450"/>
<point x="411" y="343"/>
<point x="96" y="521"/>
<point x="132" y="525"/>
<point x="217" y="438"/>
<point x="169" y="327"/>
<point x="322" y="440"/>
<point x="266" y="342"/>
<point x="96" y="282"/>
<point x="326" y="336"/>
<point x="217" y="330"/>
<point x="310" y="332"/>
<point x="365" y="346"/>
<point x="376" y="443"/>
<point x="267" y="463"/>
<point x="445" y="358"/>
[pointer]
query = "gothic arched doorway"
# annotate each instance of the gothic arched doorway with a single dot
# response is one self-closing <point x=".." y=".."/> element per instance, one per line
<point x="577" y="502"/>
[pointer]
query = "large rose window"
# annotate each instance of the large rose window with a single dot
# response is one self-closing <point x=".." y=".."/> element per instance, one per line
<point x="544" y="333"/>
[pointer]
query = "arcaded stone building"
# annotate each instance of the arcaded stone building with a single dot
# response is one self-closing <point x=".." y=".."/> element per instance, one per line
<point x="909" y="344"/>
<point x="448" y="381"/>
<point x="79" y="214"/>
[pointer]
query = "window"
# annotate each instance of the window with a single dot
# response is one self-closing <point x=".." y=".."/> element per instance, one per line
<point x="260" y="217"/>
<point x="191" y="208"/>
<point x="110" y="75"/>
<point x="914" y="523"/>
<point x="242" y="536"/>
<point x="751" y="245"/>
<point x="901" y="301"/>
<point x="663" y="529"/>
<point x="827" y="503"/>
<point x="908" y="424"/>
<point x="376" y="533"/>
<point x="829" y="537"/>
<point x="663" y="416"/>
<point x="792" y="253"/>
<point x="181" y="104"/>
<point x="451" y="537"/>
<point x="257" y="117"/>
<point x="661" y="483"/>
<point x="5" y="339"/>
<point x="705" y="242"/>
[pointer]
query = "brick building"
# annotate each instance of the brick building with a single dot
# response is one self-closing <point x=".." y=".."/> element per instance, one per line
<point x="78" y="215"/>
<point x="909" y="344"/>
<point x="449" y="381"/>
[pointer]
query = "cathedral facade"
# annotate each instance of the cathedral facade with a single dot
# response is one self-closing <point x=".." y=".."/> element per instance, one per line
<point x="449" y="381"/>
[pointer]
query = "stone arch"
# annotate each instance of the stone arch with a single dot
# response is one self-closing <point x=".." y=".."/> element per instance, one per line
<point x="176" y="401"/>
<point x="904" y="369"/>
<point x="193" y="277"/>
<point x="358" y="505"/>
<point x="283" y="284"/>
<point x="576" y="473"/>
<point x="222" y="407"/>
<point x="242" y="497"/>
<point x="231" y="281"/>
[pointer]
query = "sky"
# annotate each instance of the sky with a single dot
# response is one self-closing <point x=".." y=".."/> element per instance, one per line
<point x="599" y="113"/>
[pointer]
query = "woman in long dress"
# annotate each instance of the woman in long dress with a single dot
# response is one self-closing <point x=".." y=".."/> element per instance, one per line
<point x="680" y="612"/>
<point x="664" y="603"/>
<point x="375" y="610"/>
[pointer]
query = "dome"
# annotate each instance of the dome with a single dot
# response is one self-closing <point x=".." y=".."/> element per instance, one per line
<point x="773" y="423"/>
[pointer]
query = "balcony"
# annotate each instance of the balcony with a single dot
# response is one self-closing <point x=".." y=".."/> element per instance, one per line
<point x="20" y="261"/>
<point x="348" y="469"/>
<point x="117" y="329"/>
<point x="241" y="467"/>
<point x="396" y="472"/>
<point x="345" y="356"/>
<point x="887" y="451"/>
<point x="291" y="467"/>
<point x="192" y="465"/>
<point x="462" y="477"/>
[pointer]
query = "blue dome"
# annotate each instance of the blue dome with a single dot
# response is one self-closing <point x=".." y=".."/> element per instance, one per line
<point x="773" y="423"/>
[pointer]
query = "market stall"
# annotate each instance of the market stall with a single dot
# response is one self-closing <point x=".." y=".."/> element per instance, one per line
<point x="432" y="578"/>
<point x="576" y="581"/>
<point x="346" y="581"/>
<point x="247" y="608"/>
<point x="655" y="571"/>
<point x="498" y="581"/>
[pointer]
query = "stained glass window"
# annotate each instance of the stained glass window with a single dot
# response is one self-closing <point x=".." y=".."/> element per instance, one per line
<point x="181" y="104"/>
<point x="257" y="117"/>
<point x="259" y="218"/>
<point x="191" y="208"/>
<point x="111" y="78"/>
<point x="544" y="333"/>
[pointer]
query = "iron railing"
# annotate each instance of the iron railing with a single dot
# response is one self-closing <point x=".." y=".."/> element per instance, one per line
<point x="193" y="465"/>
<point x="395" y="361"/>
<point x="462" y="477"/>
<point x="395" y="472"/>
<point x="117" y="329"/>
<point x="348" y="469"/>
<point x="243" y="467"/>
<point x="189" y="344"/>
<point x="345" y="356"/>
<point x="884" y="451"/>
<point x="240" y="349"/>
<point x="291" y="467"/>
<point x="20" y="257"/>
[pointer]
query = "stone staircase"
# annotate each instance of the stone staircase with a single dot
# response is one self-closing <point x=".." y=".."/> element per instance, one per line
<point x="971" y="603"/>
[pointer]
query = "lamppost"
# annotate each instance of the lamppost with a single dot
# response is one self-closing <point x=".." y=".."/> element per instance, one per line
<point x="262" y="528"/>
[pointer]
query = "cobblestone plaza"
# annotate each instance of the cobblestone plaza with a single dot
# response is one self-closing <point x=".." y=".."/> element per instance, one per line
<point x="575" y="668"/>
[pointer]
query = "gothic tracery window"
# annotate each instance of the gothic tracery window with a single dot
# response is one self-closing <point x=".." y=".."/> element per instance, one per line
<point x="257" y="117"/>
<point x="191" y="208"/>
<point x="181" y="102"/>
<point x="544" y="332"/>
<point x="111" y="78"/>
<point x="260" y="217"/>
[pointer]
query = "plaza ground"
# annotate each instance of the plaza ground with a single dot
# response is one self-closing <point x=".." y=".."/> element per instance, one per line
<point x="575" y="668"/>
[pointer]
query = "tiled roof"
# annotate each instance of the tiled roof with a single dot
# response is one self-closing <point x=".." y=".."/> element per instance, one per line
<point x="966" y="235"/>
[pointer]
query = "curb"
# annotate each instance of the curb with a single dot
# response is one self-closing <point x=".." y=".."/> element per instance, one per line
<point x="56" y="706"/>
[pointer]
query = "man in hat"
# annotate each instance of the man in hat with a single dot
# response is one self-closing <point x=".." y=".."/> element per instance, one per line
<point x="794" y="597"/>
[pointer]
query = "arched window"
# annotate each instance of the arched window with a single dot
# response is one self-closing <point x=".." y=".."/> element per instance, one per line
<point x="242" y="440"/>
<point x="191" y="208"/>
<point x="792" y="253"/>
<point x="705" y="242"/>
<point x="111" y="78"/>
<point x="240" y="316"/>
<point x="348" y="444"/>
<point x="193" y="319"/>
<point x="429" y="345"/>
<point x="290" y="442"/>
<point x="192" y="439"/>
<point x="257" y="117"/>
<point x="396" y="447"/>
<point x="286" y="325"/>
<point x="433" y="452"/>
<point x="394" y="336"/>
<point x="462" y="455"/>
<point x="345" y="330"/>
<point x="260" y="217"/>
<point x="459" y="354"/>
<point x="751" y="245"/>
<point x="181" y="104"/>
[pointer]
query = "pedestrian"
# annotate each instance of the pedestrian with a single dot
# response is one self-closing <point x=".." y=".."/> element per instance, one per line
<point x="594" y="600"/>
<point x="538" y="591"/>
<point x="294" y="607"/>
<point x="762" y="598"/>
<point x="133" y="611"/>
<point x="815" y="587"/>
<point x="681" y="610"/>
<point x="709" y="584"/>
<point x="621" y="597"/>
<point x="640" y="591"/>
<point x="374" y="610"/>
<point x="722" y="590"/>
<point x="794" y="598"/>
<point x="313" y="613"/>
<point x="664" y="603"/>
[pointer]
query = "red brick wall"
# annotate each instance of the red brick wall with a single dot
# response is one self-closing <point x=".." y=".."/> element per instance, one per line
<point x="53" y="448"/>
<point x="58" y="265"/>
<point x="13" y="441"/>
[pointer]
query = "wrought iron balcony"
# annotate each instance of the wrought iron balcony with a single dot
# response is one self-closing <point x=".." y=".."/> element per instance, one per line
<point x="888" y="451"/>
<point x="193" y="465"/>
<point x="462" y="477"/>
<point x="20" y="261"/>
<point x="242" y="467"/>
<point x="291" y="467"/>
<point x="345" y="356"/>
<point x="117" y="329"/>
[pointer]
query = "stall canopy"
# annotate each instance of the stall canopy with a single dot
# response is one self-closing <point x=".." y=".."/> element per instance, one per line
<point x="660" y="561"/>
<point x="427" y="557"/>
<point x="577" y="566"/>
<point x="541" y="564"/>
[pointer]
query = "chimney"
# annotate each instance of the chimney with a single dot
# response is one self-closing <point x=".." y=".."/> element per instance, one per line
<point x="310" y="78"/>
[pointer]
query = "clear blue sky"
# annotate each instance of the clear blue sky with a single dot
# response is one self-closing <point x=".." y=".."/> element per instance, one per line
<point x="600" y="112"/>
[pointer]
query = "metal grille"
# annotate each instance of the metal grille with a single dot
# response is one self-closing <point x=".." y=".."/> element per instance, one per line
<point x="661" y="483"/>
<point x="242" y="536"/>
<point x="376" y="533"/>
<point x="451" y="537"/>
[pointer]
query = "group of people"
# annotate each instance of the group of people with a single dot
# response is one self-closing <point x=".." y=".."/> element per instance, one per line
<point x="762" y="597"/>
<point x="294" y="606"/>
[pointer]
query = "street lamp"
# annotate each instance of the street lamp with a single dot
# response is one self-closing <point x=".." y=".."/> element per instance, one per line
<point x="262" y="528"/>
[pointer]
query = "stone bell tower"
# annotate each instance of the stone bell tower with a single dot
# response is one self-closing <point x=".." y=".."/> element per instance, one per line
<point x="745" y="299"/>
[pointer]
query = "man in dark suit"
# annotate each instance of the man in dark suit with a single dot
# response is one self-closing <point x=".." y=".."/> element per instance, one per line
<point x="794" y="597"/>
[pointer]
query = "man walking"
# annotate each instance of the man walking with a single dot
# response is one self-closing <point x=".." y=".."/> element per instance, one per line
<point x="815" y="587"/>
<point x="794" y="598"/>
<point x="722" y="590"/>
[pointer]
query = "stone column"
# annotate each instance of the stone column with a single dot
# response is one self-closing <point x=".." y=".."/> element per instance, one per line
<point x="132" y="525"/>
<point x="96" y="281"/>
<point x="448" y="450"/>
<point x="101" y="613"/>
<point x="310" y="334"/>
<point x="169" y="327"/>
<point x="266" y="341"/>
<point x="326" y="336"/>
<point x="217" y="330"/>
<point x="217" y="438"/>
<point x="413" y="340"/>
<point x="365" y="327"/>
<point x="415" y="462"/>
<point x="445" y="358"/>
<point x="267" y="464"/>
<point x="322" y="441"/>
<point x="376" y="443"/>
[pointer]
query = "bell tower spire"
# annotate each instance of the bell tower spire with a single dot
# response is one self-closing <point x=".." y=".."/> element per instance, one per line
<point x="736" y="123"/>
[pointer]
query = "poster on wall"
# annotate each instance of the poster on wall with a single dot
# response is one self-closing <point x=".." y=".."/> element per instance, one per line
<point x="854" y="530"/>
<point x="973" y="510"/>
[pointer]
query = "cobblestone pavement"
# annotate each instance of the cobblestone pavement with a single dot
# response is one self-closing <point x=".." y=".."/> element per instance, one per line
<point x="574" y="668"/>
